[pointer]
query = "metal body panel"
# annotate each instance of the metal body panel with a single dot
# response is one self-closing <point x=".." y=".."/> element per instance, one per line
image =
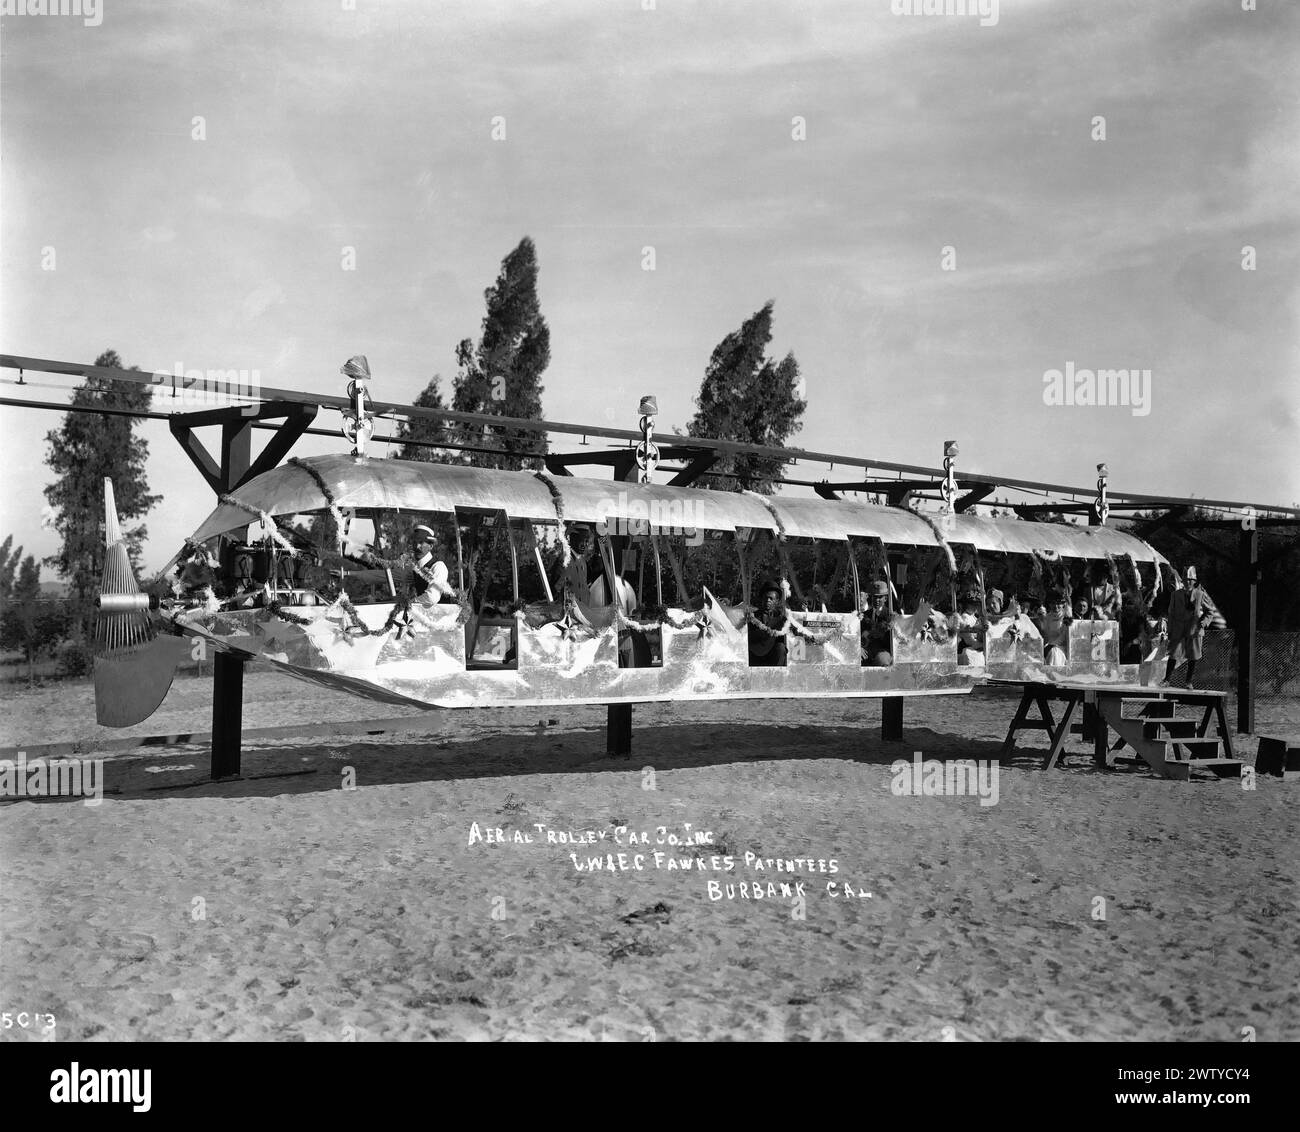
<point x="557" y="663"/>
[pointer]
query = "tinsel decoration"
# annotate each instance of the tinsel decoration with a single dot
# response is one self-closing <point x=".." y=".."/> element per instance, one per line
<point x="557" y="501"/>
<point x="323" y="488"/>
<point x="789" y="626"/>
<point x="767" y="503"/>
<point x="938" y="533"/>
<point x="264" y="518"/>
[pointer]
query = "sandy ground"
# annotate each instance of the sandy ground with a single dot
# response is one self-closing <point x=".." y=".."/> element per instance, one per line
<point x="294" y="908"/>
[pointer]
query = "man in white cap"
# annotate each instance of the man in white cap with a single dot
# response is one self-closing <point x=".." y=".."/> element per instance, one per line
<point x="1190" y="611"/>
<point x="430" y="582"/>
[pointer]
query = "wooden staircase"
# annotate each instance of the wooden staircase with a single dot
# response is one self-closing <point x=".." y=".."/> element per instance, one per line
<point x="1171" y="745"/>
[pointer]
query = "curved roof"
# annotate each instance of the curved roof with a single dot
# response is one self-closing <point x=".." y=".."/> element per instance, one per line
<point x="1066" y="539"/>
<point x="411" y="485"/>
<point x="840" y="518"/>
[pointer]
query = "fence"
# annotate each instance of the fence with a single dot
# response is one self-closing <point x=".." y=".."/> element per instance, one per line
<point x="1277" y="663"/>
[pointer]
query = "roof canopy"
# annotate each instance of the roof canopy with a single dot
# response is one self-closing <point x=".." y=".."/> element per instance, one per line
<point x="1066" y="540"/>
<point x="416" y="486"/>
<point x="840" y="518"/>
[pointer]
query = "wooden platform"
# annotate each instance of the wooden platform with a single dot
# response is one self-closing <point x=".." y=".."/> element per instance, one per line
<point x="1172" y="745"/>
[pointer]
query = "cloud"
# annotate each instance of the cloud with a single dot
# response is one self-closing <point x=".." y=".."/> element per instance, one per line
<point x="159" y="235"/>
<point x="261" y="299"/>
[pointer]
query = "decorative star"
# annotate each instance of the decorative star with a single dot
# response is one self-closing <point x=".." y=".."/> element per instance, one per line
<point x="405" y="625"/>
<point x="275" y="634"/>
<point x="568" y="626"/>
<point x="703" y="624"/>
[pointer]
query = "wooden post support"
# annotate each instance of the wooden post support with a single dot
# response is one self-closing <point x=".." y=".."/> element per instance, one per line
<point x="1100" y="733"/>
<point x="618" y="717"/>
<point x="236" y="466"/>
<point x="1248" y="565"/>
<point x="891" y="717"/>
<point x="618" y="731"/>
<point x="227" y="714"/>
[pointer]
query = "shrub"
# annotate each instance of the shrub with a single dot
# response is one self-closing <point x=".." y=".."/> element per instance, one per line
<point x="75" y="658"/>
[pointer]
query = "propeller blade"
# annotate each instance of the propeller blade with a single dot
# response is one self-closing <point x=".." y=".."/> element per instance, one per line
<point x="129" y="688"/>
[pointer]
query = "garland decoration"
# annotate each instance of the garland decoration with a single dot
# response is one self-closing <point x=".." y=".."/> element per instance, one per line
<point x="276" y="608"/>
<point x="661" y="618"/>
<point x="264" y="518"/>
<point x="557" y="501"/>
<point x="323" y="488"/>
<point x="776" y="518"/>
<point x="937" y="531"/>
<point x="790" y="625"/>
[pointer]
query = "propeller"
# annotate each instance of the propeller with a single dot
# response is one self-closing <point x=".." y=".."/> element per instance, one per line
<point x="134" y="667"/>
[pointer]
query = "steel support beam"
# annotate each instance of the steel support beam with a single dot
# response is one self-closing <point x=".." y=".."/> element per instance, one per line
<point x="974" y="496"/>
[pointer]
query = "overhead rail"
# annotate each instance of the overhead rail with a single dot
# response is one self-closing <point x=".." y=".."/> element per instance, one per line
<point x="726" y="447"/>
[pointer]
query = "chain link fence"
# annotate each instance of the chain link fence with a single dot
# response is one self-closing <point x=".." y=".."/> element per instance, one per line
<point x="1277" y="663"/>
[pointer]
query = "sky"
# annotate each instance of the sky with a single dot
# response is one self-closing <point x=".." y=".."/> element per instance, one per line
<point x="926" y="198"/>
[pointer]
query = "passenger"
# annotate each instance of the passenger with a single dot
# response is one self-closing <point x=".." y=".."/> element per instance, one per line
<point x="971" y="626"/>
<point x="573" y="578"/>
<point x="1101" y="593"/>
<point x="993" y="603"/>
<point x="1082" y="609"/>
<point x="197" y="574"/>
<point x="767" y="644"/>
<point x="877" y="630"/>
<point x="430" y="582"/>
<point x="1132" y="621"/>
<point x="1054" y="626"/>
<point x="1191" y="611"/>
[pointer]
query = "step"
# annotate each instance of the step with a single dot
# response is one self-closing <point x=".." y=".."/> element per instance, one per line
<point x="1153" y="718"/>
<point x="1168" y="728"/>
<point x="1222" y="768"/>
<point x="1194" y="746"/>
<point x="1182" y="768"/>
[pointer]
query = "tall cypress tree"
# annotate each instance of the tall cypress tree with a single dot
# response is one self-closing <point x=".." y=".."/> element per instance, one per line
<point x="502" y="374"/>
<point x="426" y="429"/>
<point x="81" y="453"/>
<point x="749" y="397"/>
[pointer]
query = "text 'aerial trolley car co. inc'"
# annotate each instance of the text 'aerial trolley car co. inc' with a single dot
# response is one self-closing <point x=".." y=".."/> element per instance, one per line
<point x="447" y="586"/>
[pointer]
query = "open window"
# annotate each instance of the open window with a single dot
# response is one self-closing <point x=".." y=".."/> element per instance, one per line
<point x="489" y="545"/>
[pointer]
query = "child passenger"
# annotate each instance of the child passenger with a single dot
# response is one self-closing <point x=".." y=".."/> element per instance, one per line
<point x="1054" y="625"/>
